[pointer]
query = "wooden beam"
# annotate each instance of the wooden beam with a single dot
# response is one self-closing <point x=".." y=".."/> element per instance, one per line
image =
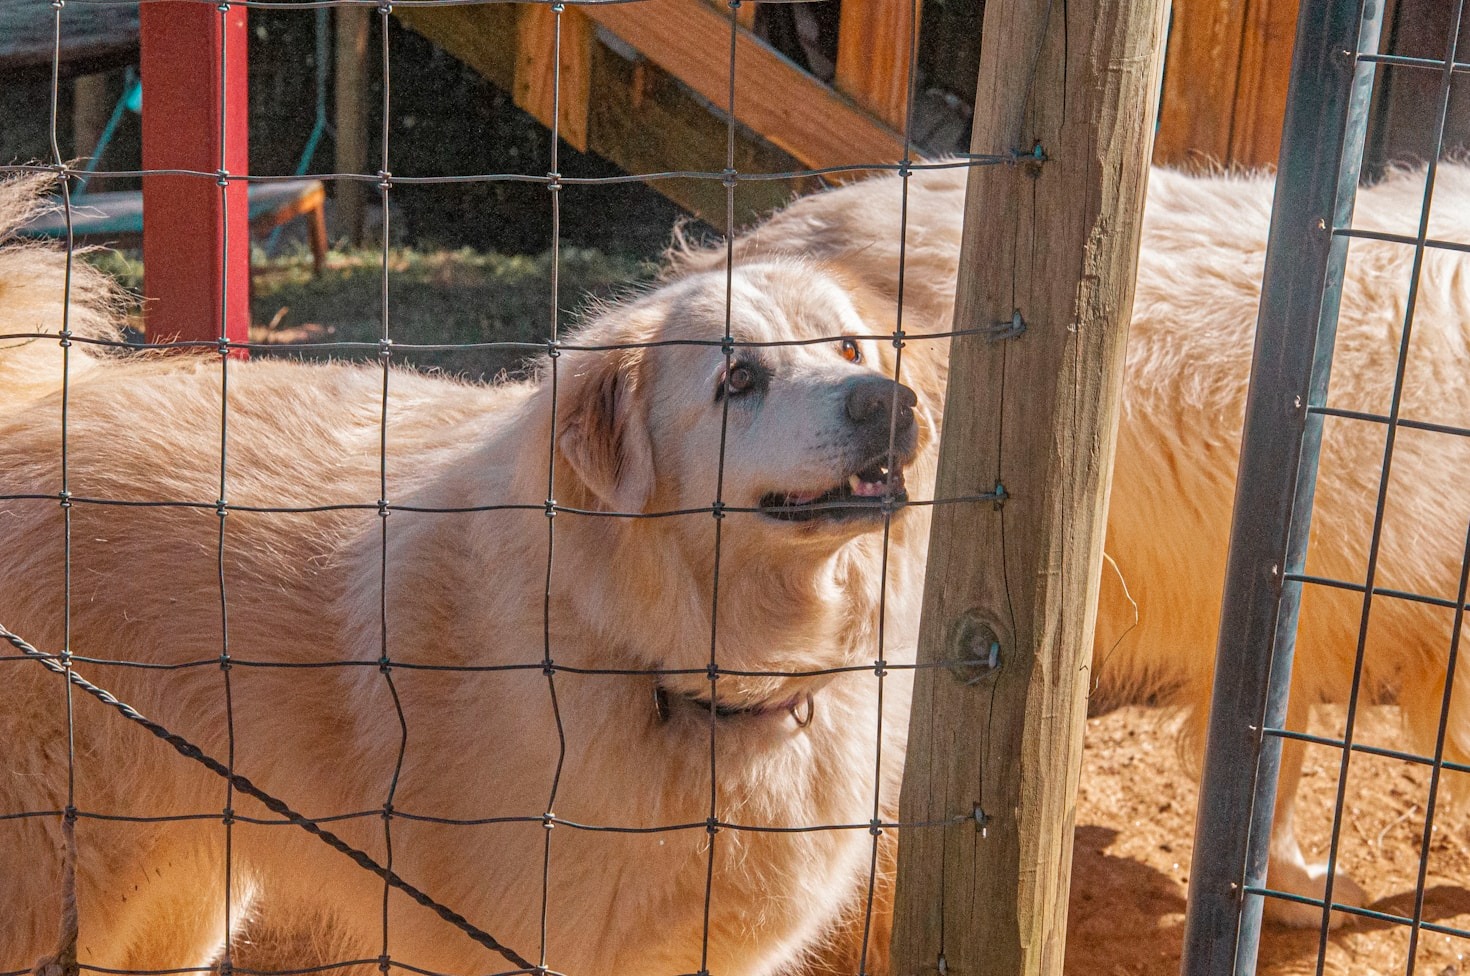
<point x="744" y="14"/>
<point x="647" y="127"/>
<point x="995" y="749"/>
<point x="351" y="122"/>
<point x="1259" y="108"/>
<point x="874" y="41"/>
<point x="1198" y="105"/>
<point x="476" y="34"/>
<point x="536" y="78"/>
<point x="784" y="104"/>
<point x="665" y="129"/>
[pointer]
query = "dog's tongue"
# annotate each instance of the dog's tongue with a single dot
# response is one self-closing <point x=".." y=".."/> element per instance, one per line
<point x="802" y="497"/>
<point x="863" y="487"/>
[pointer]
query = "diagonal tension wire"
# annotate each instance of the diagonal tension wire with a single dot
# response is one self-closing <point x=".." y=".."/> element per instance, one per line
<point x="238" y="782"/>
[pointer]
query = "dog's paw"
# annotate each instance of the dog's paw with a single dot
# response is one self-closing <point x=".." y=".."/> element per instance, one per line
<point x="1310" y="881"/>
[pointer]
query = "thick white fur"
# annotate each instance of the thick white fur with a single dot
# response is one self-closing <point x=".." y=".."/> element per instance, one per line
<point x="1189" y="349"/>
<point x="33" y="300"/>
<point x="635" y="430"/>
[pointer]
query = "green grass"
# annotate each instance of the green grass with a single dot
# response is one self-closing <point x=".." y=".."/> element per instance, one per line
<point x="434" y="298"/>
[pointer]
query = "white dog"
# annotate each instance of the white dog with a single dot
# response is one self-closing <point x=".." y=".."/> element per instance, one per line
<point x="549" y="672"/>
<point x="1189" y="348"/>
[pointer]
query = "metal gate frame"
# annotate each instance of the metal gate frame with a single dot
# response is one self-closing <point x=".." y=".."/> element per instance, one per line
<point x="1321" y="156"/>
<point x="1333" y="72"/>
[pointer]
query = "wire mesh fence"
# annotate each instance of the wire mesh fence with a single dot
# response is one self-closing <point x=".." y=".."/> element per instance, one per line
<point x="266" y="703"/>
<point x="623" y="649"/>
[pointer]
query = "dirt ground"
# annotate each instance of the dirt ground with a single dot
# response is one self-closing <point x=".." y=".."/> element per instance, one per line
<point x="1134" y="842"/>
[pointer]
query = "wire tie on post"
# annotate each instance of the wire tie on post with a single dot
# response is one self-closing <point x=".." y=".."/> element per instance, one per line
<point x="222" y="176"/>
<point x="717" y="509"/>
<point x="553" y="179"/>
<point x="711" y="826"/>
<point x="875" y="827"/>
<point x="730" y="178"/>
<point x="385" y="348"/>
<point x="63" y="338"/>
<point x="999" y="496"/>
<point x="227" y="816"/>
<point x="384" y="963"/>
<point x="553" y="348"/>
<point x="384" y="510"/>
<point x="551" y="508"/>
<point x="385" y="178"/>
<point x="1030" y="160"/>
<point x="1012" y="329"/>
<point x="982" y="821"/>
<point x="65" y="498"/>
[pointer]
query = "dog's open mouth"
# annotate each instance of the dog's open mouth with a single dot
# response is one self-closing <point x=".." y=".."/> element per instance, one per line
<point x="866" y="493"/>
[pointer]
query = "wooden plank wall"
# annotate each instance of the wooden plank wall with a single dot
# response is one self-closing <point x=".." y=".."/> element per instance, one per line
<point x="1225" y="80"/>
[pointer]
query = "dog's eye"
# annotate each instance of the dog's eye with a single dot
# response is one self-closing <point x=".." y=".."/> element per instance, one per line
<point x="850" y="351"/>
<point x="740" y="378"/>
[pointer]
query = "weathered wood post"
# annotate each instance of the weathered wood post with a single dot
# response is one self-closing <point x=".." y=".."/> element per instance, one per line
<point x="352" y="136"/>
<point x="1050" y="244"/>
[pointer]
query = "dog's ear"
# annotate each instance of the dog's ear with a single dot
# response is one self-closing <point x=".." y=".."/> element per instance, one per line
<point x="602" y="426"/>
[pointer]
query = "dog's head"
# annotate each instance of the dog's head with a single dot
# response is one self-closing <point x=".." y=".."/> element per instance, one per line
<point x="795" y="424"/>
<point x="794" y="432"/>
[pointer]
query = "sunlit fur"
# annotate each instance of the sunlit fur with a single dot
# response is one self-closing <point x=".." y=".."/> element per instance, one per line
<point x="34" y="288"/>
<point x="1189" y="351"/>
<point x="634" y="431"/>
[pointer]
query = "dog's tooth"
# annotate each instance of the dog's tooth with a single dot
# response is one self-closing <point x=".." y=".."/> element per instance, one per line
<point x="854" y="483"/>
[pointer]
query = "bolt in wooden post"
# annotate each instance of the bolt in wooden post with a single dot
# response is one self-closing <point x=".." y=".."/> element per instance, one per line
<point x="1010" y="600"/>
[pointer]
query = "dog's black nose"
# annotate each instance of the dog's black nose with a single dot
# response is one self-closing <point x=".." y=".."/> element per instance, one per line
<point x="871" y="402"/>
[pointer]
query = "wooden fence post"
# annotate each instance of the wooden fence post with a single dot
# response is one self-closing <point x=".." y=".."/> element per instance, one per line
<point x="350" y="118"/>
<point x="196" y="240"/>
<point x="1050" y="242"/>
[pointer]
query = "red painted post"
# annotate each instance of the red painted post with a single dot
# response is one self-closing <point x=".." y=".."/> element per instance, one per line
<point x="196" y="239"/>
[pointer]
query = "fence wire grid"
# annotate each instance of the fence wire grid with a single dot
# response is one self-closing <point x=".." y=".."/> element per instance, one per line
<point x="87" y="675"/>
